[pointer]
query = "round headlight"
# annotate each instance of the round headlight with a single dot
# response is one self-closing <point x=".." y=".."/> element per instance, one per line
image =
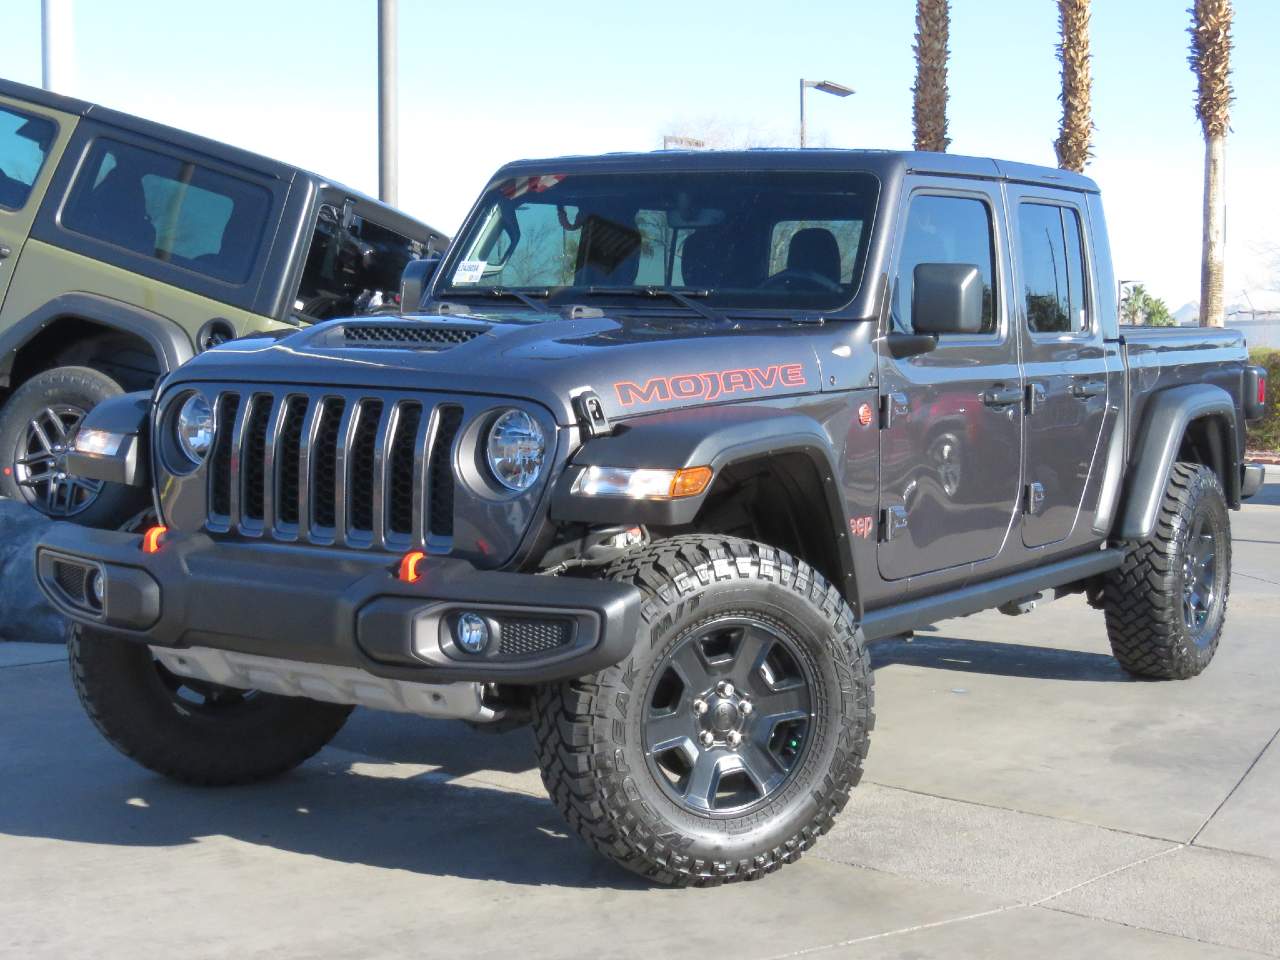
<point x="195" y="428"/>
<point x="515" y="450"/>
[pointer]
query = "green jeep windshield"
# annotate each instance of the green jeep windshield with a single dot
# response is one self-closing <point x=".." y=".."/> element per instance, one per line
<point x="781" y="240"/>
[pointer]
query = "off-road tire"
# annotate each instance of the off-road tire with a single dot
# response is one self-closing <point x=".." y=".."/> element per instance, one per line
<point x="121" y="687"/>
<point x="80" y="387"/>
<point x="588" y="735"/>
<point x="1143" y="598"/>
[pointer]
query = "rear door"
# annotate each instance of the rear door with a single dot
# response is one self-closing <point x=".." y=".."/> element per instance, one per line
<point x="1064" y="358"/>
<point x="27" y="143"/>
<point x="950" y="443"/>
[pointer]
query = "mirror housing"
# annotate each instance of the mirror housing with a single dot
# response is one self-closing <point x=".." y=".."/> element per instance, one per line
<point x="413" y="282"/>
<point x="946" y="298"/>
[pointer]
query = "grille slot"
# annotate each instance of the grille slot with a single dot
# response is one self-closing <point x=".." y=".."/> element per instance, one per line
<point x="526" y="637"/>
<point x="71" y="579"/>
<point x="404" y="335"/>
<point x="440" y="473"/>
<point x="348" y="470"/>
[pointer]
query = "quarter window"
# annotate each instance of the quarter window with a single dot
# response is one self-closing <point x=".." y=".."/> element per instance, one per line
<point x="24" y="145"/>
<point x="1052" y="268"/>
<point x="946" y="230"/>
<point x="171" y="209"/>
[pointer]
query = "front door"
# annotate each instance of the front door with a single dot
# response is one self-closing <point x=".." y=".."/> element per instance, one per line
<point x="26" y="140"/>
<point x="1063" y="355"/>
<point x="950" y="443"/>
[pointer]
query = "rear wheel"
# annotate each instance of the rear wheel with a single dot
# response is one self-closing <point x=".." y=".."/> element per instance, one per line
<point x="190" y="730"/>
<point x="1167" y="604"/>
<point x="725" y="745"/>
<point x="37" y="428"/>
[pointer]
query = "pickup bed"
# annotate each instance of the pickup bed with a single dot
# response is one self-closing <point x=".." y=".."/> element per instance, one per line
<point x="666" y="441"/>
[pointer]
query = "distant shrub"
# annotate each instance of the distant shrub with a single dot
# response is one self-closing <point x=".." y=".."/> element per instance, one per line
<point x="1265" y="434"/>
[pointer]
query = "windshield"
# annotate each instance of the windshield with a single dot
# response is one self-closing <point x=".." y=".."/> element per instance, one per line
<point x="780" y="240"/>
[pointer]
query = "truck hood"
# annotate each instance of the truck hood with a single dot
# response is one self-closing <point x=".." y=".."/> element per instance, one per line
<point x="636" y="365"/>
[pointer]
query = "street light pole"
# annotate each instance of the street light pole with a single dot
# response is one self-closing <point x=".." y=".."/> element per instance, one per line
<point x="826" y="86"/>
<point x="388" y="116"/>
<point x="56" y="61"/>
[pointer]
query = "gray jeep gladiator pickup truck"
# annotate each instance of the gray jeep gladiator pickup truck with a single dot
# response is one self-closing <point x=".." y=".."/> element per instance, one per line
<point x="669" y="439"/>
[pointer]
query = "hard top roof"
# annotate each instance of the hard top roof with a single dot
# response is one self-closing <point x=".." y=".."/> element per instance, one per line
<point x="182" y="138"/>
<point x="887" y="164"/>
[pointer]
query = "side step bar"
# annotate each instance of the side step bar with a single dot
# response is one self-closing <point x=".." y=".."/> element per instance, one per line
<point x="899" y="618"/>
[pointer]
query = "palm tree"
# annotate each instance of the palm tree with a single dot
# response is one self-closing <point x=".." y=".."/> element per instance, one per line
<point x="1211" y="60"/>
<point x="933" y="19"/>
<point x="1074" y="134"/>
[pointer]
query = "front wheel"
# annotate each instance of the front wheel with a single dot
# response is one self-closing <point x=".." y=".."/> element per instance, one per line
<point x="1167" y="603"/>
<point x="727" y="742"/>
<point x="190" y="730"/>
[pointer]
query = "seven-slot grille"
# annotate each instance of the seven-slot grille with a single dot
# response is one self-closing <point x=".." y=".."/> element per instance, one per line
<point x="334" y="469"/>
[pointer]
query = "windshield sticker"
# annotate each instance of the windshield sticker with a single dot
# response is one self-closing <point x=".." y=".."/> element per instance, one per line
<point x="469" y="271"/>
<point x="519" y="186"/>
<point x="711" y="386"/>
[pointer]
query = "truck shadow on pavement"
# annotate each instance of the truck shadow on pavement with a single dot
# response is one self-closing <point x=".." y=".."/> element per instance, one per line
<point x="997" y="659"/>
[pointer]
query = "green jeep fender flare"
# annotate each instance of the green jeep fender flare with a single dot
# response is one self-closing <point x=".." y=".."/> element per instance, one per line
<point x="167" y="340"/>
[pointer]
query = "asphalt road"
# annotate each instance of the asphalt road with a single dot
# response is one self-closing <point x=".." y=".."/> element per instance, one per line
<point x="1023" y="798"/>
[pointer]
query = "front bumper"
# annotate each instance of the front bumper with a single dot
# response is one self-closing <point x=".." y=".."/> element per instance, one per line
<point x="342" y="609"/>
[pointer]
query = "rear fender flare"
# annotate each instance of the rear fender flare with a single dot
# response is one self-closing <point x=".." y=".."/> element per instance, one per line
<point x="1169" y="415"/>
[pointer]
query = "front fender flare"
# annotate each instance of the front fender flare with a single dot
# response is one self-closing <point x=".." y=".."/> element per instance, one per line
<point x="1168" y="415"/>
<point x="714" y="437"/>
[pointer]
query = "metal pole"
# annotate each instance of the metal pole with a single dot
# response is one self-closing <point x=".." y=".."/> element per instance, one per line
<point x="56" y="54"/>
<point x="802" y="86"/>
<point x="388" y="117"/>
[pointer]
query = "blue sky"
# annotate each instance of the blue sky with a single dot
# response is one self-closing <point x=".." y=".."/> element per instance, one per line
<point x="481" y="84"/>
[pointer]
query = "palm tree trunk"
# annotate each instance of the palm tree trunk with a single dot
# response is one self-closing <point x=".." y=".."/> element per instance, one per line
<point x="1211" y="60"/>
<point x="1212" y="309"/>
<point x="1076" y="131"/>
<point x="933" y="20"/>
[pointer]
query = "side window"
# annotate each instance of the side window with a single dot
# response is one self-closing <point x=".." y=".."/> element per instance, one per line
<point x="946" y="230"/>
<point x="24" y="144"/>
<point x="1052" y="268"/>
<point x="173" y="210"/>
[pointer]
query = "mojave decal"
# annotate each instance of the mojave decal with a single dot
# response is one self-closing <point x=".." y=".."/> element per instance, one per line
<point x="711" y="385"/>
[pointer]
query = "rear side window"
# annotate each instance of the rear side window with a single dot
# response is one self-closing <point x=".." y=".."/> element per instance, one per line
<point x="171" y="209"/>
<point x="946" y="230"/>
<point x="24" y="144"/>
<point x="1052" y="268"/>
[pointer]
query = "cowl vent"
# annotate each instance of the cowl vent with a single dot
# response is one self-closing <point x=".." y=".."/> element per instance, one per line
<point x="408" y="336"/>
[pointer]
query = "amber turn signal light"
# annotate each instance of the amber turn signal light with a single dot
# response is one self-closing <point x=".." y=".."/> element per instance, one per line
<point x="152" y="538"/>
<point x="409" y="572"/>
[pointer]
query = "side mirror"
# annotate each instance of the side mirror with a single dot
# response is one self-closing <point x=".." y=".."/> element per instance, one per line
<point x="413" y="282"/>
<point x="947" y="298"/>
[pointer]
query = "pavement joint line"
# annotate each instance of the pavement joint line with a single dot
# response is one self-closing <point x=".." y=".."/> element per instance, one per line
<point x="1109" y="873"/>
<point x="1025" y="813"/>
<point x="1164" y="933"/>
<point x="1254" y="576"/>
<point x="33" y="663"/>
<point x="1231" y="793"/>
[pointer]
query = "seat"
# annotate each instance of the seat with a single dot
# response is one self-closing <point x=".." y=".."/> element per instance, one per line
<point x="117" y="211"/>
<point x="702" y="259"/>
<point x="814" y="250"/>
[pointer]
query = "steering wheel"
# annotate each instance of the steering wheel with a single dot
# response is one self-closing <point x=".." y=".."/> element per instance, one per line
<point x="805" y="279"/>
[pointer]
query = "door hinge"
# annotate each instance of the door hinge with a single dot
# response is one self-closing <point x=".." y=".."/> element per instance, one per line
<point x="893" y="520"/>
<point x="1035" y="397"/>
<point x="1034" y="498"/>
<point x="893" y="406"/>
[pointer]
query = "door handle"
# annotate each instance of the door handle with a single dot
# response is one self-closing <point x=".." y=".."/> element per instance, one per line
<point x="1084" y="389"/>
<point x="1002" y="396"/>
<point x="4" y="252"/>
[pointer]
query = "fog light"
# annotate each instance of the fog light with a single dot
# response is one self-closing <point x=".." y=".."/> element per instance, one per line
<point x="97" y="589"/>
<point x="471" y="632"/>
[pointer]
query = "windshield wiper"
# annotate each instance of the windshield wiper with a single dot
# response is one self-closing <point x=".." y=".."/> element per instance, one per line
<point x="505" y="293"/>
<point x="684" y="297"/>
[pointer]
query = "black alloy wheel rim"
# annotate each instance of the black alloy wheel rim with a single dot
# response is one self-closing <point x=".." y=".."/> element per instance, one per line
<point x="199" y="698"/>
<point x="40" y="464"/>
<point x="728" y="715"/>
<point x="1199" y="577"/>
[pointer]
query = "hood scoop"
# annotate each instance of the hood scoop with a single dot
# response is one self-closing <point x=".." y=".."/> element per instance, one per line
<point x="402" y="335"/>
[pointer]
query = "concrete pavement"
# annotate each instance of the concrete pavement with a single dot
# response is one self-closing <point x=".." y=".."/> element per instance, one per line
<point x="1023" y="797"/>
